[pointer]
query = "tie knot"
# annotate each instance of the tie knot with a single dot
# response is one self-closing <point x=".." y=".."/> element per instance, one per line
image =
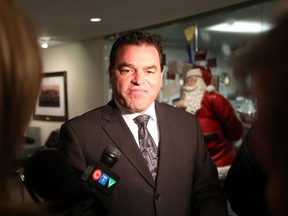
<point x="142" y="120"/>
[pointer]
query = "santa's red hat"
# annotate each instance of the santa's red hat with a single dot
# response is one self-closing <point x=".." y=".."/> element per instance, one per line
<point x="201" y="71"/>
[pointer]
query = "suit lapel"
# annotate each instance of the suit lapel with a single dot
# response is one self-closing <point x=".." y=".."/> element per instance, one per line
<point x="166" y="144"/>
<point x="119" y="132"/>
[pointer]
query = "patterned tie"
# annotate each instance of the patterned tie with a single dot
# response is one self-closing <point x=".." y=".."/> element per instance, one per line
<point x="147" y="144"/>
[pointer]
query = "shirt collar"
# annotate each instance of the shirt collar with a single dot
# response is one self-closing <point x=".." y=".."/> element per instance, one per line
<point x="150" y="111"/>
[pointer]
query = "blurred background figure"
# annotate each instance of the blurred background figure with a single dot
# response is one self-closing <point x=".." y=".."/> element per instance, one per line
<point x="217" y="117"/>
<point x="265" y="62"/>
<point x="246" y="181"/>
<point x="20" y="77"/>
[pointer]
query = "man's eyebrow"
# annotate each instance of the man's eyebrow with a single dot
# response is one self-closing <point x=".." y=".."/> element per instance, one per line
<point x="132" y="66"/>
<point x="125" y="65"/>
<point x="151" y="67"/>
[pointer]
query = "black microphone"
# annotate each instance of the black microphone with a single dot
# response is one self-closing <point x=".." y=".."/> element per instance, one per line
<point x="99" y="175"/>
<point x="49" y="179"/>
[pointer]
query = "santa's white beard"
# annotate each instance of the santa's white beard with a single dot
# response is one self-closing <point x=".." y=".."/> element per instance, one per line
<point x="193" y="98"/>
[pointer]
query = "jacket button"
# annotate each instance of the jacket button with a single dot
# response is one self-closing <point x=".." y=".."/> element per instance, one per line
<point x="157" y="196"/>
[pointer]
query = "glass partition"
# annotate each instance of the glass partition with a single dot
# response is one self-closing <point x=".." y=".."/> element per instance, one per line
<point x="209" y="39"/>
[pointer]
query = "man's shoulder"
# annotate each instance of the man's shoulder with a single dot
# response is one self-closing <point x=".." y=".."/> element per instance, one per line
<point x="164" y="107"/>
<point x="91" y="115"/>
<point x="171" y="111"/>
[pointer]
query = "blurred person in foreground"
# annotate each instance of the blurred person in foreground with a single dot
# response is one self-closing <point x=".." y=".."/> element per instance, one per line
<point x="179" y="177"/>
<point x="218" y="120"/>
<point x="246" y="181"/>
<point x="266" y="64"/>
<point x="20" y="77"/>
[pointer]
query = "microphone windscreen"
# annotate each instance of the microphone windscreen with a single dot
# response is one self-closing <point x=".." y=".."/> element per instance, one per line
<point x="110" y="156"/>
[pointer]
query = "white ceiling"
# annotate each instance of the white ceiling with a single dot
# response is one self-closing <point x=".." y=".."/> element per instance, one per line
<point x="65" y="21"/>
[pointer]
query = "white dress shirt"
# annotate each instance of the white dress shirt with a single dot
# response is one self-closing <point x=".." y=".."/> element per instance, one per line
<point x="152" y="123"/>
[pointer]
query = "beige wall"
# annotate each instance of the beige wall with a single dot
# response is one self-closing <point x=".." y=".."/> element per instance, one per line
<point x="83" y="62"/>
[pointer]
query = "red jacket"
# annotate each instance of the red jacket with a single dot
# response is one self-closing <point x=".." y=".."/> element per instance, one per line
<point x="220" y="126"/>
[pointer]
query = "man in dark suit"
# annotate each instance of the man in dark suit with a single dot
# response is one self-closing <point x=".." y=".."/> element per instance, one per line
<point x="184" y="180"/>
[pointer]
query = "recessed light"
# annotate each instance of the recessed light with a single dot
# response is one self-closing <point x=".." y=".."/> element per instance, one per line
<point x="44" y="45"/>
<point x="95" y="19"/>
<point x="44" y="42"/>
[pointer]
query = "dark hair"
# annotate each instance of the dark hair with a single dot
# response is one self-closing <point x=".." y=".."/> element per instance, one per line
<point x="136" y="38"/>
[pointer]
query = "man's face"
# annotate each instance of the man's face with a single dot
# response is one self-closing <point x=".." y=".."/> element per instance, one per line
<point x="136" y="78"/>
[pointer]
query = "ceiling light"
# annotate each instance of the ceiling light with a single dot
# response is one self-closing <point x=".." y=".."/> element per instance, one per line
<point x="44" y="42"/>
<point x="240" y="27"/>
<point x="95" y="19"/>
<point x="44" y="45"/>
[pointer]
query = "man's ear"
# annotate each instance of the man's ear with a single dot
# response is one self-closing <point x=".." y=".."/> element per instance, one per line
<point x="110" y="75"/>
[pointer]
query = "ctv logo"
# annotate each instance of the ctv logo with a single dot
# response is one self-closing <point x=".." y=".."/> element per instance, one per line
<point x="103" y="178"/>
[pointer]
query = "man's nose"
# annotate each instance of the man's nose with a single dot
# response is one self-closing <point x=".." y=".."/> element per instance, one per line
<point x="139" y="77"/>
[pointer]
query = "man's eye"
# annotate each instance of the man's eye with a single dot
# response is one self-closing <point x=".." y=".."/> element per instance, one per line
<point x="126" y="71"/>
<point x="150" y="71"/>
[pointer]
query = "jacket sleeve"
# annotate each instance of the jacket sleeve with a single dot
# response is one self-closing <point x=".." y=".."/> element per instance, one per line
<point x="226" y="115"/>
<point x="208" y="194"/>
<point x="70" y="147"/>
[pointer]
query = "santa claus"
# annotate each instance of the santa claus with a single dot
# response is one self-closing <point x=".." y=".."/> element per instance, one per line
<point x="217" y="118"/>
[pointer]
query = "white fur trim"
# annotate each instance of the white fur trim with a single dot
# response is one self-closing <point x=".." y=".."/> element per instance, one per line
<point x="210" y="88"/>
<point x="194" y="72"/>
<point x="193" y="100"/>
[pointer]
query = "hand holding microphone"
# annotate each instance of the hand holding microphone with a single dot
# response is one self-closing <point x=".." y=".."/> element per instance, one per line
<point x="50" y="180"/>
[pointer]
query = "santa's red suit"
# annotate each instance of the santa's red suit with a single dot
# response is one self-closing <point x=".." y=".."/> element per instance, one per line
<point x="220" y="127"/>
<point x="217" y="118"/>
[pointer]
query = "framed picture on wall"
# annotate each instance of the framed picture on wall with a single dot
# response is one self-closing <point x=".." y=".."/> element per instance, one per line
<point x="51" y="104"/>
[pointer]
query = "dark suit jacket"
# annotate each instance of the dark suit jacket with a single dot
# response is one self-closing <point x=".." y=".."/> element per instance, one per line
<point x="187" y="181"/>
